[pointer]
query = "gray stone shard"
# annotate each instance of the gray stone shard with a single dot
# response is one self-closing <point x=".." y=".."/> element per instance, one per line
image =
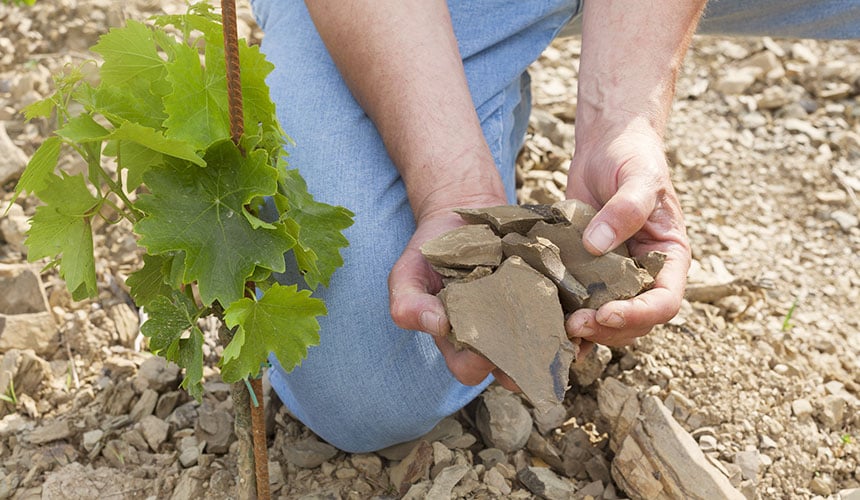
<point x="513" y="318"/>
<point x="544" y="257"/>
<point x="606" y="277"/>
<point x="654" y="456"/>
<point x="464" y="247"/>
<point x="575" y="212"/>
<point x="652" y="262"/>
<point x="503" y="219"/>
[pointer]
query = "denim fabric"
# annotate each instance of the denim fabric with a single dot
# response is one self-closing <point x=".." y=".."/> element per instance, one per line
<point x="833" y="19"/>
<point x="369" y="384"/>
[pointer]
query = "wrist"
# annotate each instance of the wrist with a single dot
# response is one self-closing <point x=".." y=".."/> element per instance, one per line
<point x="599" y="127"/>
<point x="470" y="180"/>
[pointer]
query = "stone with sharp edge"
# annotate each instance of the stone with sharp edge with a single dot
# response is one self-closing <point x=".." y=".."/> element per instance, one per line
<point x="503" y="219"/>
<point x="513" y="317"/>
<point x="607" y="277"/>
<point x="544" y="257"/>
<point x="464" y="247"/>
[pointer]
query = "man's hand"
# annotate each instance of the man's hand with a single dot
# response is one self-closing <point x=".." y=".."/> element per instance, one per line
<point x="631" y="54"/>
<point x="625" y="172"/>
<point x="412" y="286"/>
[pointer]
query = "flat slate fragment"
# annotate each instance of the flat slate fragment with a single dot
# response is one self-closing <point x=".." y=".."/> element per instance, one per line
<point x="575" y="212"/>
<point x="513" y="318"/>
<point x="464" y="247"/>
<point x="503" y="219"/>
<point x="652" y="262"/>
<point x="578" y="214"/>
<point x="511" y="275"/>
<point x="544" y="256"/>
<point x="607" y="277"/>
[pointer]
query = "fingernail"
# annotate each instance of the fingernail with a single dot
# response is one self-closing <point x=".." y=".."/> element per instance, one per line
<point x="614" y="320"/>
<point x="582" y="329"/>
<point x="429" y="322"/>
<point x="601" y="237"/>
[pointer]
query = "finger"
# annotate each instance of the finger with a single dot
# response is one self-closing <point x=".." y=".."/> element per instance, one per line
<point x="411" y="303"/>
<point x="622" y="216"/>
<point x="466" y="366"/>
<point x="655" y="306"/>
<point x="600" y="334"/>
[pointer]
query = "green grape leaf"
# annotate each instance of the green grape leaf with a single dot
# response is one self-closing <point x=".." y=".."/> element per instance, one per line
<point x="199" y="211"/>
<point x="142" y="147"/>
<point x="283" y="322"/>
<point x="133" y="101"/>
<point x="169" y="320"/>
<point x="40" y="169"/>
<point x="136" y="160"/>
<point x="320" y="227"/>
<point x="130" y="54"/>
<point x="40" y="109"/>
<point x="155" y="140"/>
<point x="62" y="227"/>
<point x="82" y="128"/>
<point x="259" y="110"/>
<point x="149" y="282"/>
<point x="197" y="109"/>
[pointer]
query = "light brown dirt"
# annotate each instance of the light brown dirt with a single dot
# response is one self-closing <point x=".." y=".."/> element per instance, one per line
<point x="765" y="377"/>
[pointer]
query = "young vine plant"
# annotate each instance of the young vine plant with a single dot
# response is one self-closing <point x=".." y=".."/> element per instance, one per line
<point x="152" y="126"/>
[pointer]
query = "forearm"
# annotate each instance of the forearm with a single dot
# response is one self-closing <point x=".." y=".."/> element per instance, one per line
<point x="631" y="54"/>
<point x="401" y="62"/>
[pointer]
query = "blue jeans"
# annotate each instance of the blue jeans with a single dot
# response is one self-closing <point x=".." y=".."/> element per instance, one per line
<point x="369" y="384"/>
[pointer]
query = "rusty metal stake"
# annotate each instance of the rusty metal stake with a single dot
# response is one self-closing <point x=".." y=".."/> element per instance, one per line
<point x="237" y="128"/>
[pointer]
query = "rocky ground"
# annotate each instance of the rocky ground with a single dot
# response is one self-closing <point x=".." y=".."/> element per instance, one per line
<point x="756" y="380"/>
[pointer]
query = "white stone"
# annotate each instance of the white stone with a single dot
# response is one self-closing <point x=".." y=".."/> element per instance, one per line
<point x="13" y="159"/>
<point x="846" y="220"/>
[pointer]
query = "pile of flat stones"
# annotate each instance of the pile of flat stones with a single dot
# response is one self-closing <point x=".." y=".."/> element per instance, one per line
<point x="513" y="273"/>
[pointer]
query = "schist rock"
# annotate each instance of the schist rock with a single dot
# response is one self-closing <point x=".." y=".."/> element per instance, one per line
<point x="607" y="277"/>
<point x="503" y="219"/>
<point x="464" y="247"/>
<point x="514" y="272"/>
<point x="513" y="317"/>
<point x="544" y="256"/>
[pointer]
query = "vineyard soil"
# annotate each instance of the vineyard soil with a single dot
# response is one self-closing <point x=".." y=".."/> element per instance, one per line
<point x="761" y="366"/>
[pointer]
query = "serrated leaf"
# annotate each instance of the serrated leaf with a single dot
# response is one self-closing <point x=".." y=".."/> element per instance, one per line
<point x="40" y="168"/>
<point x="198" y="211"/>
<point x="197" y="109"/>
<point x="82" y="128"/>
<point x="40" y="109"/>
<point x="136" y="160"/>
<point x="169" y="320"/>
<point x="134" y="102"/>
<point x="282" y="322"/>
<point x="130" y="54"/>
<point x="259" y="110"/>
<point x="141" y="147"/>
<point x="149" y="282"/>
<point x="62" y="227"/>
<point x="320" y="227"/>
<point x="156" y="141"/>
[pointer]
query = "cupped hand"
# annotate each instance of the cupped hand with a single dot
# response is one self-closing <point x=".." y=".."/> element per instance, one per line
<point x="412" y="288"/>
<point x="624" y="171"/>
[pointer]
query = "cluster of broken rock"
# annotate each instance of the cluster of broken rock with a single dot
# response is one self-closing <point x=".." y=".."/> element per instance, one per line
<point x="513" y="273"/>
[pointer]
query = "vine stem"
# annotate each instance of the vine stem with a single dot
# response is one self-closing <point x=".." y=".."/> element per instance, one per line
<point x="258" y="431"/>
<point x="259" y="458"/>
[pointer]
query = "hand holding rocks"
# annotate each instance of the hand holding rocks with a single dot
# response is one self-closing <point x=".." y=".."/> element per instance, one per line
<point x="513" y="274"/>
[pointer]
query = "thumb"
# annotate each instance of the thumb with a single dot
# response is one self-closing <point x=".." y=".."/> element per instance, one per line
<point x="622" y="216"/>
<point x="411" y="303"/>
